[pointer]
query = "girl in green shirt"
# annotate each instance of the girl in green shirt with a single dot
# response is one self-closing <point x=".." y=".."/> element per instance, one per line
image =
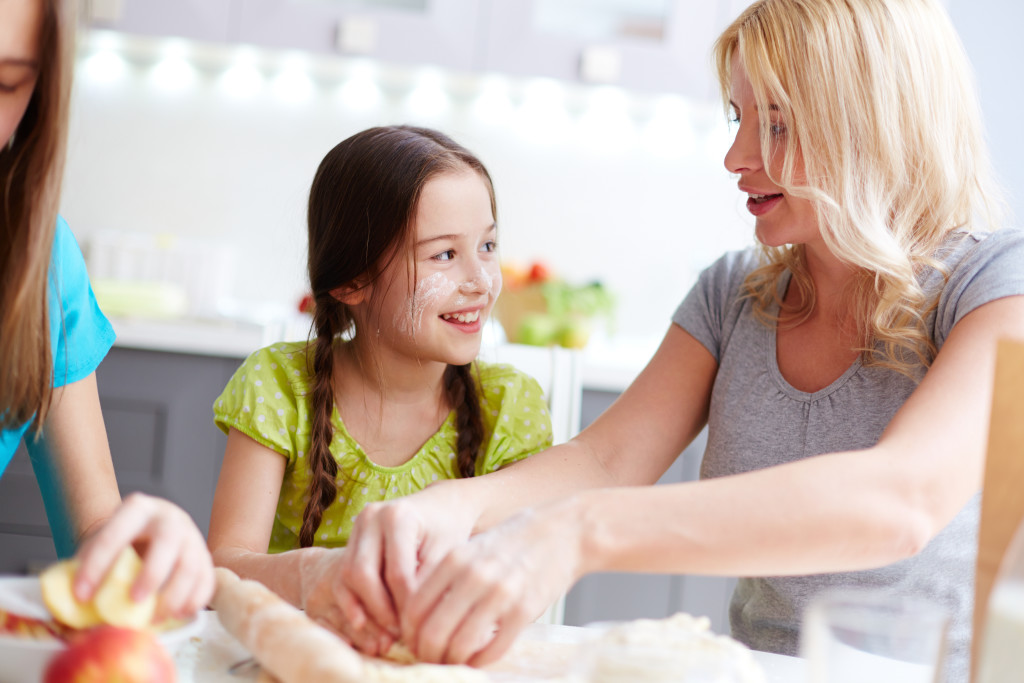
<point x="387" y="398"/>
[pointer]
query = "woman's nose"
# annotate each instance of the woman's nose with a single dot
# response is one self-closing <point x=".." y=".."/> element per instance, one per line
<point x="744" y="155"/>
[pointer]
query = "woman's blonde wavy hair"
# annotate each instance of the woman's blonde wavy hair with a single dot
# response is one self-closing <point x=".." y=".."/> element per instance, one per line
<point x="879" y="103"/>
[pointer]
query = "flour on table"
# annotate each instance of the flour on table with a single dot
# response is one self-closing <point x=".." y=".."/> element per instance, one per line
<point x="679" y="648"/>
<point x="399" y="666"/>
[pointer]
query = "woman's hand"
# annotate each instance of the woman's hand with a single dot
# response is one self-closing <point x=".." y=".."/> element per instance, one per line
<point x="391" y="547"/>
<point x="176" y="562"/>
<point x="473" y="605"/>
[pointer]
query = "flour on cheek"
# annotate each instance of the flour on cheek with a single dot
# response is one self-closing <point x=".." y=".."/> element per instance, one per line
<point x="429" y="291"/>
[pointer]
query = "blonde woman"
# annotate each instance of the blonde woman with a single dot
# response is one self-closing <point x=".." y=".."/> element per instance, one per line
<point x="843" y="370"/>
<point x="52" y="334"/>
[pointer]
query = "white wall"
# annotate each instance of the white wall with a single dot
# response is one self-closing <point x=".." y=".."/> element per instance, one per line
<point x="991" y="33"/>
<point x="610" y="201"/>
<point x="640" y="213"/>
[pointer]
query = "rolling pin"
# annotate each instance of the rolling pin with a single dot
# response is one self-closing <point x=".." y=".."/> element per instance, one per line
<point x="282" y="639"/>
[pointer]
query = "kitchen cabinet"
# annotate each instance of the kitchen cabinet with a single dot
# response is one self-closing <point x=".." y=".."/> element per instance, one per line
<point x="615" y="596"/>
<point x="157" y="408"/>
<point x="439" y="32"/>
<point x="206" y="20"/>
<point x="645" y="45"/>
<point x="650" y="45"/>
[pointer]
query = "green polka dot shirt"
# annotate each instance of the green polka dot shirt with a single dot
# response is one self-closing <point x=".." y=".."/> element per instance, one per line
<point x="266" y="400"/>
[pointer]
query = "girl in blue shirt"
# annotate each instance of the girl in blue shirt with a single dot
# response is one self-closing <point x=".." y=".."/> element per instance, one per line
<point x="53" y="335"/>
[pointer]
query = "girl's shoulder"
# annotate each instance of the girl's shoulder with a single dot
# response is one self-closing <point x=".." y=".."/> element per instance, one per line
<point x="279" y="369"/>
<point x="283" y="360"/>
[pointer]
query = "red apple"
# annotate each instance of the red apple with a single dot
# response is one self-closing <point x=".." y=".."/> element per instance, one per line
<point x="111" y="653"/>
<point x="514" y="274"/>
<point x="539" y="272"/>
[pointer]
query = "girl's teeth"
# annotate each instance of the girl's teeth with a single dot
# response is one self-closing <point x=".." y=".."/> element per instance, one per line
<point x="462" y="317"/>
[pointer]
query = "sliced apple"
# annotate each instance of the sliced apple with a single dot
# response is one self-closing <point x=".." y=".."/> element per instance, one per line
<point x="113" y="600"/>
<point x="59" y="598"/>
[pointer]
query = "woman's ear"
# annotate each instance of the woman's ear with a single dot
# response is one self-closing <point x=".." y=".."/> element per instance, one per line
<point x="351" y="294"/>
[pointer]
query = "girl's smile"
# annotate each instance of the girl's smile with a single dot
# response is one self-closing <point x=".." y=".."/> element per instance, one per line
<point x="457" y="277"/>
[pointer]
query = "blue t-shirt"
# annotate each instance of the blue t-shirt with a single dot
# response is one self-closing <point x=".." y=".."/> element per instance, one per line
<point x="80" y="335"/>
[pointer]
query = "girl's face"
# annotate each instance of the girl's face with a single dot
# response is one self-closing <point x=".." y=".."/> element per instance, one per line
<point x="20" y="21"/>
<point x="440" y="315"/>
<point x="781" y="218"/>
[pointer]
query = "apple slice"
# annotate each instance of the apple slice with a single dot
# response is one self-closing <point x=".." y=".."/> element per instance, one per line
<point x="59" y="598"/>
<point x="113" y="600"/>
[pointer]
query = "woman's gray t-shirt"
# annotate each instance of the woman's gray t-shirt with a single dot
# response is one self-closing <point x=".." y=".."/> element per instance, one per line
<point x="758" y="420"/>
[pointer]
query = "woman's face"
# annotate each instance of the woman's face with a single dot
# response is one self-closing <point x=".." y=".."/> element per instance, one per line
<point x="781" y="218"/>
<point x="440" y="316"/>
<point x="20" y="21"/>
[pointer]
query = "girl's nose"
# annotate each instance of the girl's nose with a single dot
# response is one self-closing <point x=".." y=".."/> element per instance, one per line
<point x="477" y="281"/>
<point x="744" y="155"/>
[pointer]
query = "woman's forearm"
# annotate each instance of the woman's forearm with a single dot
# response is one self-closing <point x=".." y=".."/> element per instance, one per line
<point x="550" y="475"/>
<point x="837" y="512"/>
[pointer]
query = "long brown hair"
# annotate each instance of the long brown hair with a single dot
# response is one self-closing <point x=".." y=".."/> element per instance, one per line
<point x="361" y="209"/>
<point x="31" y="169"/>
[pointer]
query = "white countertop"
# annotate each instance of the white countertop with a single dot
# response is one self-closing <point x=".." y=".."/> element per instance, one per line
<point x="207" y="657"/>
<point x="608" y="363"/>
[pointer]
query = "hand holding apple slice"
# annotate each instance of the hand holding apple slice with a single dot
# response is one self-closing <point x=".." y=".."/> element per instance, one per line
<point x="112" y="603"/>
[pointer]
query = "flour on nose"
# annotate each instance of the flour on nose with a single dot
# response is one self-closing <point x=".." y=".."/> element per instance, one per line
<point x="481" y="281"/>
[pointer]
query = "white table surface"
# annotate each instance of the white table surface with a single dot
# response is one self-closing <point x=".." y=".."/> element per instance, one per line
<point x="206" y="658"/>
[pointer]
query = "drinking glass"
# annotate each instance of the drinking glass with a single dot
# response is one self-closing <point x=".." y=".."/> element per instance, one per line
<point x="852" y="636"/>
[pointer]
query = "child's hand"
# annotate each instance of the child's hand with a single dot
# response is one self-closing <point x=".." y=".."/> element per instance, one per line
<point x="175" y="559"/>
<point x="318" y="575"/>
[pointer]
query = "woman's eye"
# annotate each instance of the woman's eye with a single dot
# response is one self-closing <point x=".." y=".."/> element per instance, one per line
<point x="447" y="255"/>
<point x="777" y="130"/>
<point x="490" y="245"/>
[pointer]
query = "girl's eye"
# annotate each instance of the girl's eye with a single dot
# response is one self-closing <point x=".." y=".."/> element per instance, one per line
<point x="777" y="130"/>
<point x="490" y="245"/>
<point x="447" y="255"/>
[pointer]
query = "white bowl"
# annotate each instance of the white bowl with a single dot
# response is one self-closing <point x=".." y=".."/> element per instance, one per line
<point x="23" y="660"/>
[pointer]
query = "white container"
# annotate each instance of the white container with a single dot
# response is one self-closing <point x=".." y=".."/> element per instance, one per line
<point x="201" y="270"/>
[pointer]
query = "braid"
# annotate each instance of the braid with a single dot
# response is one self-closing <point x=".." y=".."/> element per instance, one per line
<point x="461" y="389"/>
<point x="323" y="488"/>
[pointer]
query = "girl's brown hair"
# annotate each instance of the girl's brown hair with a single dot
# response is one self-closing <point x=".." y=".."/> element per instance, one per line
<point x="361" y="209"/>
<point x="31" y="169"/>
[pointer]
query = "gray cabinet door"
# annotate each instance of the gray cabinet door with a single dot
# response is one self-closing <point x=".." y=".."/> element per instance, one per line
<point x="157" y="408"/>
<point x="25" y="541"/>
